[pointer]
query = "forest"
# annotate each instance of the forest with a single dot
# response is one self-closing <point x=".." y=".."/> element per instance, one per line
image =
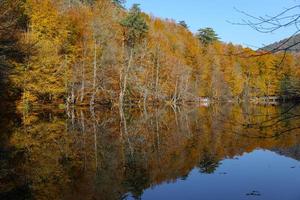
<point x="95" y="52"/>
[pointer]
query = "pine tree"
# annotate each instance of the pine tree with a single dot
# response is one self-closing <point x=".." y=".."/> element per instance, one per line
<point x="135" y="26"/>
<point x="207" y="36"/>
<point x="183" y="24"/>
<point x="119" y="3"/>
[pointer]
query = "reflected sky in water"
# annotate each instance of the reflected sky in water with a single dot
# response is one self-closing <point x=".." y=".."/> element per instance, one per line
<point x="257" y="175"/>
<point x="232" y="152"/>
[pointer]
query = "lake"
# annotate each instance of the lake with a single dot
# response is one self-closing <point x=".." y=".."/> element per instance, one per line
<point x="213" y="152"/>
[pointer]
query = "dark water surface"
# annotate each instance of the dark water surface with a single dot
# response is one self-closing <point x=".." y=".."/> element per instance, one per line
<point x="220" y="152"/>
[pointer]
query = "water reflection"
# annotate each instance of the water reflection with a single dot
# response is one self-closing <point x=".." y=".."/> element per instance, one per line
<point x="100" y="155"/>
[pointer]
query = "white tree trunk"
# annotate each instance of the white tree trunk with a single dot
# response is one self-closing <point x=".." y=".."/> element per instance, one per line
<point x="92" y="102"/>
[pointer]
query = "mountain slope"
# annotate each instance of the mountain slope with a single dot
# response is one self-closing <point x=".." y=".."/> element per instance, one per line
<point x="290" y="44"/>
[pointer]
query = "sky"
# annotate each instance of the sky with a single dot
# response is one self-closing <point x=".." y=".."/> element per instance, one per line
<point x="218" y="14"/>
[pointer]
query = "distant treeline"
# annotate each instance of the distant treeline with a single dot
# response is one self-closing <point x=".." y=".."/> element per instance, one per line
<point x="96" y="52"/>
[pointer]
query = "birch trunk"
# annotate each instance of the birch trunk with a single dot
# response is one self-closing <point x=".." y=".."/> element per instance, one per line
<point x="83" y="74"/>
<point x="92" y="102"/>
<point x="157" y="79"/>
<point x="125" y="77"/>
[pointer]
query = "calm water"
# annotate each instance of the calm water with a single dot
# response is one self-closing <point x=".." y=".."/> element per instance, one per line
<point x="220" y="152"/>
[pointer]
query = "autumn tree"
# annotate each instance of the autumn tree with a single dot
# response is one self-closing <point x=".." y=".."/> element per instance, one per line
<point x="43" y="75"/>
<point x="13" y="22"/>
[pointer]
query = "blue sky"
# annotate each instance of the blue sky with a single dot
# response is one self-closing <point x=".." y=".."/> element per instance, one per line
<point x="217" y="13"/>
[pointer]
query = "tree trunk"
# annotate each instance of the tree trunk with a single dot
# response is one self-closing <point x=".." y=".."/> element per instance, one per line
<point x="157" y="79"/>
<point x="145" y="99"/>
<point x="124" y="79"/>
<point x="92" y="102"/>
<point x="174" y="100"/>
<point x="83" y="74"/>
<point x="72" y="95"/>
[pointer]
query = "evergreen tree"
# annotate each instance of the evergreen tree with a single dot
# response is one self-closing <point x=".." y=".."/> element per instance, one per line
<point x="207" y="35"/>
<point x="183" y="24"/>
<point x="119" y="3"/>
<point x="135" y="26"/>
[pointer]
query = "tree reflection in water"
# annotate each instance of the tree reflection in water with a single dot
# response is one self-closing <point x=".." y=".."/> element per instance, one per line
<point x="84" y="155"/>
<point x="208" y="163"/>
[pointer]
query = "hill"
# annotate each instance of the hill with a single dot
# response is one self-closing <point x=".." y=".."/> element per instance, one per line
<point x="291" y="44"/>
